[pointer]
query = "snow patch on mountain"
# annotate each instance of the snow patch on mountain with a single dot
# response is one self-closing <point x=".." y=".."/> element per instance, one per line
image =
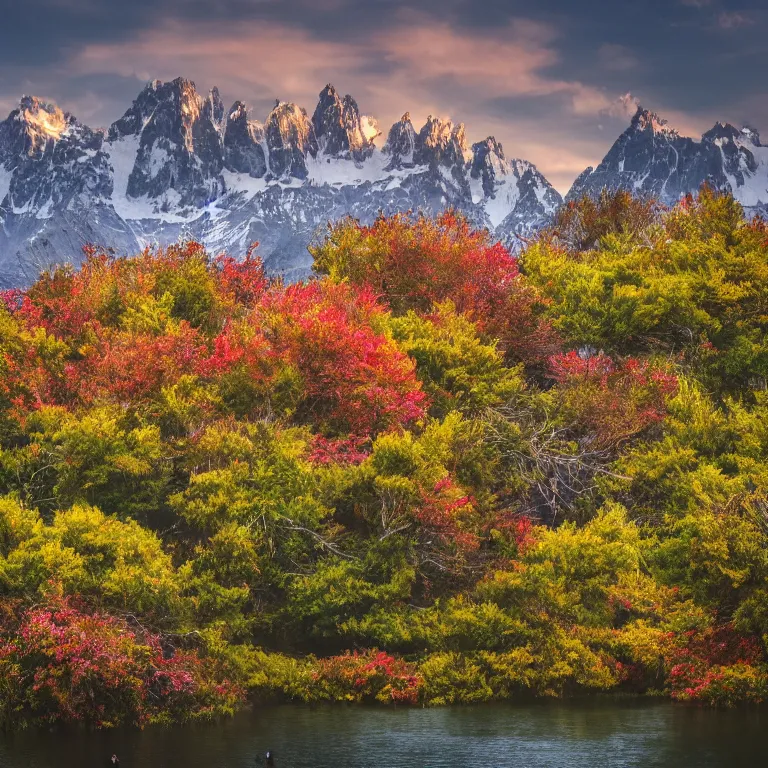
<point x="122" y="159"/>
<point x="5" y="183"/>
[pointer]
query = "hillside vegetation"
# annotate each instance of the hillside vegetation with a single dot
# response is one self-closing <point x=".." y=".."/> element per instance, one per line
<point x="433" y="474"/>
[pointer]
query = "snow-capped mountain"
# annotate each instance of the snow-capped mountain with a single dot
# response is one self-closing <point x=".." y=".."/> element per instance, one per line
<point x="178" y="165"/>
<point x="650" y="158"/>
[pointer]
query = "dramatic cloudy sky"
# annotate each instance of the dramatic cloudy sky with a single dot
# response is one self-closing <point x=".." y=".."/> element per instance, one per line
<point x="544" y="76"/>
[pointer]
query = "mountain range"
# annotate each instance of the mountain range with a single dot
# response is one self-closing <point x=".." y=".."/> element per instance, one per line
<point x="179" y="165"/>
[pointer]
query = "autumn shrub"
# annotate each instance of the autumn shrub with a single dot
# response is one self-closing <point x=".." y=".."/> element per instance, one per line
<point x="415" y="263"/>
<point x="64" y="665"/>
<point x="370" y="676"/>
<point x="717" y="666"/>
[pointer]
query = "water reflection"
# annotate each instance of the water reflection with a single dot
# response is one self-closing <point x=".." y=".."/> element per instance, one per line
<point x="551" y="735"/>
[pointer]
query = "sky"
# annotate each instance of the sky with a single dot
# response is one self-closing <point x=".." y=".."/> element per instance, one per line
<point x="555" y="81"/>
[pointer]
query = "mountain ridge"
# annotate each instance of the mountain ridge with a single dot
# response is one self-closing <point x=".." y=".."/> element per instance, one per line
<point x="178" y="164"/>
<point x="651" y="158"/>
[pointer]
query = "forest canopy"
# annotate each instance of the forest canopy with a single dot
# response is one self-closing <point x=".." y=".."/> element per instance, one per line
<point x="436" y="472"/>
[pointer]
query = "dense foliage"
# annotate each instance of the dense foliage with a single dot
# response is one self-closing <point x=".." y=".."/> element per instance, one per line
<point x="434" y="473"/>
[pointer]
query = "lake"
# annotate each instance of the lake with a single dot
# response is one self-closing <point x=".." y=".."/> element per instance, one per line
<point x="571" y="734"/>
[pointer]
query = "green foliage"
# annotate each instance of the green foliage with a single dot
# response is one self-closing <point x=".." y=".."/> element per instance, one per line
<point x="83" y="552"/>
<point x="459" y="371"/>
<point x="694" y="284"/>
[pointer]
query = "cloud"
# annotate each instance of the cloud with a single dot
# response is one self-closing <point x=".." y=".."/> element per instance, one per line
<point x="542" y="84"/>
<point x="732" y="20"/>
<point x="623" y="107"/>
<point x="421" y="66"/>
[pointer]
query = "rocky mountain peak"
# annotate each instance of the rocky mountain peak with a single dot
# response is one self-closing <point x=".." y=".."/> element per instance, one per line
<point x="489" y="146"/>
<point x="439" y="142"/>
<point x="722" y="131"/>
<point x="488" y="162"/>
<point x="290" y="137"/>
<point x="179" y="146"/>
<point x="329" y="123"/>
<point x="651" y="159"/>
<point x="328" y="100"/>
<point x="243" y="152"/>
<point x="213" y="109"/>
<point x="357" y="129"/>
<point x="34" y="124"/>
<point x="339" y="129"/>
<point x="460" y="134"/>
<point x="645" y="120"/>
<point x="401" y="143"/>
<point x="435" y="132"/>
<point x="48" y="161"/>
<point x="736" y="149"/>
<point x="751" y="135"/>
<point x="177" y="96"/>
<point x="240" y="114"/>
<point x="187" y="102"/>
<point x="40" y="132"/>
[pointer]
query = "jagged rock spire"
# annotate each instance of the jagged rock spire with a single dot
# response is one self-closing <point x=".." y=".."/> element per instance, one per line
<point x="213" y="109"/>
<point x="243" y="152"/>
<point x="645" y="120"/>
<point x="338" y="126"/>
<point x="401" y="143"/>
<point x="179" y="145"/>
<point x="34" y="126"/>
<point x="439" y="142"/>
<point x="290" y="137"/>
<point x="488" y="162"/>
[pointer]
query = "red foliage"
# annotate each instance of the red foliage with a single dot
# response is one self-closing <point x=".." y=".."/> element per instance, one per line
<point x="242" y="347"/>
<point x="519" y="527"/>
<point x="759" y="226"/>
<point x="31" y="373"/>
<point x="338" y="451"/>
<point x="12" y="299"/>
<point x="612" y="401"/>
<point x="243" y="282"/>
<point x="370" y="675"/>
<point x="128" y="367"/>
<point x="228" y="326"/>
<point x="69" y="666"/>
<point x="444" y="512"/>
<point x="356" y="381"/>
<point x="568" y="366"/>
<point x="58" y="303"/>
<point x="700" y="663"/>
<point x="414" y="263"/>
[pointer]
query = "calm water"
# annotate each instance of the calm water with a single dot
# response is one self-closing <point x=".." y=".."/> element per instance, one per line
<point x="566" y="735"/>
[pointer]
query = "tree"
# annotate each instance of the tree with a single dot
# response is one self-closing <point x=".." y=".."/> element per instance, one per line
<point x="415" y="263"/>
